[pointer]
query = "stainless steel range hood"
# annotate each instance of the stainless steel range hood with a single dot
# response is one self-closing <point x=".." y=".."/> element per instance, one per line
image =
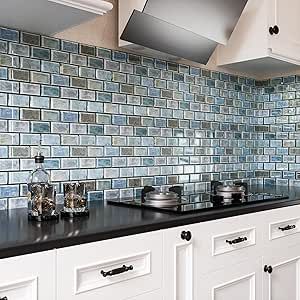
<point x="187" y="29"/>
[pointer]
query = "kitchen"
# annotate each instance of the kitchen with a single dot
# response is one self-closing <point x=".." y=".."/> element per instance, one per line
<point x="149" y="149"/>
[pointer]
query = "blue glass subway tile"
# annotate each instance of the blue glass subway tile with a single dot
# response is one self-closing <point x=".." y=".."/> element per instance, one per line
<point x="103" y="162"/>
<point x="7" y="191"/>
<point x="119" y="56"/>
<point x="9" y="34"/>
<point x="69" y="46"/>
<point x="69" y="116"/>
<point x="8" y="113"/>
<point x="3" y="73"/>
<point x="104" y="97"/>
<point x="95" y="196"/>
<point x="119" y="120"/>
<point x="119" y="183"/>
<point x="40" y="127"/>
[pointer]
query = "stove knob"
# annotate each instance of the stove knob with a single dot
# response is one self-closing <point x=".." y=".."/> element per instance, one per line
<point x="186" y="235"/>
<point x="4" y="298"/>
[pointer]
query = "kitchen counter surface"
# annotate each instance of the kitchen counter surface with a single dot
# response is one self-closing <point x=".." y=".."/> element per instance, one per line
<point x="18" y="236"/>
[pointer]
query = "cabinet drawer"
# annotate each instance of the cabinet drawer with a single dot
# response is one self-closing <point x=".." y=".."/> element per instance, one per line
<point x="28" y="277"/>
<point x="115" y="269"/>
<point x="282" y="225"/>
<point x="25" y="290"/>
<point x="284" y="228"/>
<point x="233" y="241"/>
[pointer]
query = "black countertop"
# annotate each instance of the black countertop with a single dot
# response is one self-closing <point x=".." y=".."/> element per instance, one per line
<point x="18" y="236"/>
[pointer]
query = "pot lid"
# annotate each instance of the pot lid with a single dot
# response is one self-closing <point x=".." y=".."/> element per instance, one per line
<point x="230" y="188"/>
<point x="161" y="196"/>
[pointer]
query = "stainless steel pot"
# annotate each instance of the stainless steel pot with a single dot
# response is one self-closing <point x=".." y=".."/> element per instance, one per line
<point x="226" y="191"/>
<point x="162" y="199"/>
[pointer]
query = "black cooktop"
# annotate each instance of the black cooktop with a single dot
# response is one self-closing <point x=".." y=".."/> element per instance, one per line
<point x="200" y="201"/>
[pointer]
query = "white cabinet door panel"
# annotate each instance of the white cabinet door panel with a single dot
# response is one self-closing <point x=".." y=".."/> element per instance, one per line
<point x="28" y="277"/>
<point x="285" y="14"/>
<point x="283" y="280"/>
<point x="178" y="265"/>
<point x="241" y="281"/>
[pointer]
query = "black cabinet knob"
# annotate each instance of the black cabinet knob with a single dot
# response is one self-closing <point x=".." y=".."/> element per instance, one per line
<point x="274" y="30"/>
<point x="186" y="235"/>
<point x="268" y="269"/>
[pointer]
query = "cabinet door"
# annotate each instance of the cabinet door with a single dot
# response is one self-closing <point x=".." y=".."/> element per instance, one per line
<point x="178" y="264"/>
<point x="241" y="281"/>
<point x="285" y="14"/>
<point x="28" y="277"/>
<point x="281" y="279"/>
<point x="207" y="250"/>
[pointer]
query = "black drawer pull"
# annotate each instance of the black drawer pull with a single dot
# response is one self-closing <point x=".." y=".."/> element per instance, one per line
<point x="116" y="271"/>
<point x="237" y="241"/>
<point x="288" y="227"/>
<point x="268" y="269"/>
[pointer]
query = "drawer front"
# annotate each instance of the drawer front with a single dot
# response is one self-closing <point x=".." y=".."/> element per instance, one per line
<point x="25" y="290"/>
<point x="115" y="269"/>
<point x="282" y="227"/>
<point x="28" y="277"/>
<point x="233" y="241"/>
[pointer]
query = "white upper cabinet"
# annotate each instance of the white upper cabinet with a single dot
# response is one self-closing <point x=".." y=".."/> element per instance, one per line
<point x="285" y="44"/>
<point x="50" y="16"/>
<point x="266" y="39"/>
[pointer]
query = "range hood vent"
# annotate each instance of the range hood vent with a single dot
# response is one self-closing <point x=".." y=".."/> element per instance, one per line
<point x="186" y="29"/>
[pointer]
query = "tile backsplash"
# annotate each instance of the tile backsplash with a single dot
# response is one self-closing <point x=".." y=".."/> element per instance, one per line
<point x="120" y="121"/>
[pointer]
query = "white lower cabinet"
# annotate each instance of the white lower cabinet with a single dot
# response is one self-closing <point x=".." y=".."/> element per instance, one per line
<point x="28" y="277"/>
<point x="249" y="257"/>
<point x="116" y="269"/>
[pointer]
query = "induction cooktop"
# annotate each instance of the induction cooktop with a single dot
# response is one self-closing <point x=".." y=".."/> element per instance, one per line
<point x="201" y="201"/>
